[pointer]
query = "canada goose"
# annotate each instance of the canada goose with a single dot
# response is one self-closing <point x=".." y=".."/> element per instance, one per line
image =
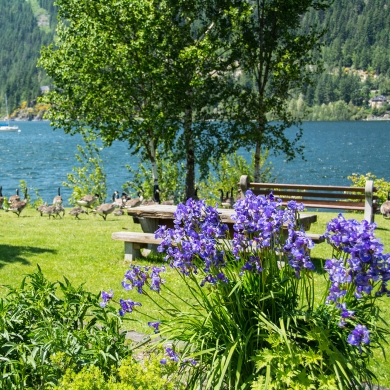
<point x="58" y="198"/>
<point x="134" y="202"/>
<point x="50" y="211"/>
<point x="170" y="201"/>
<point x="156" y="194"/>
<point x="76" y="211"/>
<point x="105" y="208"/>
<point x="195" y="196"/>
<point x="14" y="198"/>
<point x="1" y="197"/>
<point x="119" y="212"/>
<point x="59" y="209"/>
<point x="117" y="199"/>
<point x="149" y="202"/>
<point x="41" y="208"/>
<point x="385" y="208"/>
<point x="228" y="200"/>
<point x="18" y="207"/>
<point x="88" y="200"/>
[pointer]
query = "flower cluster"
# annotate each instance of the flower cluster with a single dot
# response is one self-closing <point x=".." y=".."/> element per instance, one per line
<point x="137" y="277"/>
<point x="154" y="325"/>
<point x="171" y="354"/>
<point x="360" y="335"/>
<point x="106" y="297"/>
<point x="174" y="357"/>
<point x="260" y="225"/>
<point x="358" y="266"/>
<point x="195" y="235"/>
<point x="127" y="306"/>
<point x="359" y="263"/>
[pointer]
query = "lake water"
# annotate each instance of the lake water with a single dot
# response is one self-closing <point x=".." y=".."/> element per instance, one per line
<point x="333" y="150"/>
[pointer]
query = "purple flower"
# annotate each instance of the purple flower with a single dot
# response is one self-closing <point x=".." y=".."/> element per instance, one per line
<point x="127" y="306"/>
<point x="136" y="276"/>
<point x="106" y="298"/>
<point x="169" y="352"/>
<point x="194" y="237"/>
<point x="191" y="361"/>
<point x="154" y="325"/>
<point x="360" y="335"/>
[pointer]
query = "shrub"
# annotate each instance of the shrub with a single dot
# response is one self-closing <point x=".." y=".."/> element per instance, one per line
<point x="383" y="187"/>
<point x="46" y="328"/>
<point x="131" y="375"/>
<point x="89" y="177"/>
<point x="253" y="320"/>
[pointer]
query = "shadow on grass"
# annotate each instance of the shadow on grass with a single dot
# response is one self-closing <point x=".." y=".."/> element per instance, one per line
<point x="10" y="254"/>
<point x="319" y="265"/>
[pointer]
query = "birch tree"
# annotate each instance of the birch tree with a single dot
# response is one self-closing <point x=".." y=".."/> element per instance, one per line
<point x="109" y="73"/>
<point x="278" y="56"/>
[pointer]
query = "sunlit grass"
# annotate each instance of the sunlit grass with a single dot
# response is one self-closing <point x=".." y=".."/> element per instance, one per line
<point x="83" y="251"/>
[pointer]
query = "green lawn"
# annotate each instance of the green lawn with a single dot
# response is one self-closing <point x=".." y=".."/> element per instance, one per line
<point x="83" y="251"/>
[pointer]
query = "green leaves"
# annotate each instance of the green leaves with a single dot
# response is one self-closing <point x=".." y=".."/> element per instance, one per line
<point x="47" y="327"/>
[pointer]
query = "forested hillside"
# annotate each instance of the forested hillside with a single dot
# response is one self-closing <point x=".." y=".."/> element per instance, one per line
<point x="25" y="25"/>
<point x="356" y="55"/>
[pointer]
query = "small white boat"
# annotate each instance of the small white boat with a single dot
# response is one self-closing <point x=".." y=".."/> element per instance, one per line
<point x="6" y="127"/>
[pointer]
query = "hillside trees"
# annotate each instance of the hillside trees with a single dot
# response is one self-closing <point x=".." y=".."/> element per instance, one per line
<point x="21" y="40"/>
<point x="279" y="57"/>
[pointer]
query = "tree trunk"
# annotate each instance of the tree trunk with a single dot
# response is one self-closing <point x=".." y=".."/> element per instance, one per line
<point x="152" y="155"/>
<point x="190" y="154"/>
<point x="257" y="157"/>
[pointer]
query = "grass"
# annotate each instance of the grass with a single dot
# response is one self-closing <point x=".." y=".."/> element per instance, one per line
<point x="83" y="251"/>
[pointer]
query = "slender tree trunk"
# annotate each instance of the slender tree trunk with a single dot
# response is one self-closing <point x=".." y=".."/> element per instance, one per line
<point x="190" y="153"/>
<point x="153" y="160"/>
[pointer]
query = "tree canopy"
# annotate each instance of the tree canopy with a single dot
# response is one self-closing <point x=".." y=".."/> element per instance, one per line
<point x="164" y="74"/>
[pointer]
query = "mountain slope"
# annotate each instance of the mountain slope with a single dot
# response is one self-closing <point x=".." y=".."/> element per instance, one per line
<point x="22" y="33"/>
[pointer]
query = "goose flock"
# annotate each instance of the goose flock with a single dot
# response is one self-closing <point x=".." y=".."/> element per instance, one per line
<point x="86" y="204"/>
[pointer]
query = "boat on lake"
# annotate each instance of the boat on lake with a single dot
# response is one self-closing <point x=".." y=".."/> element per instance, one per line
<point x="6" y="127"/>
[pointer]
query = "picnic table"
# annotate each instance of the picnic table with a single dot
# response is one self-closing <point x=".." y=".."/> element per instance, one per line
<point x="152" y="216"/>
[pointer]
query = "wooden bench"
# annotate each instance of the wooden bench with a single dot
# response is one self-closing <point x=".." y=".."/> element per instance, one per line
<point x="134" y="242"/>
<point x="320" y="197"/>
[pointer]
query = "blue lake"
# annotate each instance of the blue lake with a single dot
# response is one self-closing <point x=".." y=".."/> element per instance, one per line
<point x="333" y="151"/>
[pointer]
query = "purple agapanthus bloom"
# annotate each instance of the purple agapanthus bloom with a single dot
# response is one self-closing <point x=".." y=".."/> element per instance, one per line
<point x="106" y="298"/>
<point x="127" y="306"/>
<point x="136" y="277"/>
<point x="171" y="354"/>
<point x="193" y="242"/>
<point x="360" y="335"/>
<point x="154" y="325"/>
<point x="359" y="263"/>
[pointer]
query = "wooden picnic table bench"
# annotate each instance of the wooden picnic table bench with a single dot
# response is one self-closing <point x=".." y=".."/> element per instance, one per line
<point x="320" y="196"/>
<point x="152" y="216"/>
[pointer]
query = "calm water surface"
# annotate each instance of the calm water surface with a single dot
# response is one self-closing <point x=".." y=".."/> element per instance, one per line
<point x="333" y="150"/>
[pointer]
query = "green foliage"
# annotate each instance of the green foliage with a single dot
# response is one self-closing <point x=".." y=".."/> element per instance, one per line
<point x="47" y="327"/>
<point x="89" y="177"/>
<point x="148" y="374"/>
<point x="171" y="179"/>
<point x="226" y="173"/>
<point x="383" y="187"/>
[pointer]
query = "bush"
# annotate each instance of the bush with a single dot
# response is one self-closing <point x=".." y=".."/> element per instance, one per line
<point x="46" y="328"/>
<point x="253" y="319"/>
<point x="383" y="187"/>
<point x="149" y="374"/>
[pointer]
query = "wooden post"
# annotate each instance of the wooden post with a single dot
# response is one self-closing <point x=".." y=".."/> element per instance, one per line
<point x="244" y="184"/>
<point x="368" y="203"/>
